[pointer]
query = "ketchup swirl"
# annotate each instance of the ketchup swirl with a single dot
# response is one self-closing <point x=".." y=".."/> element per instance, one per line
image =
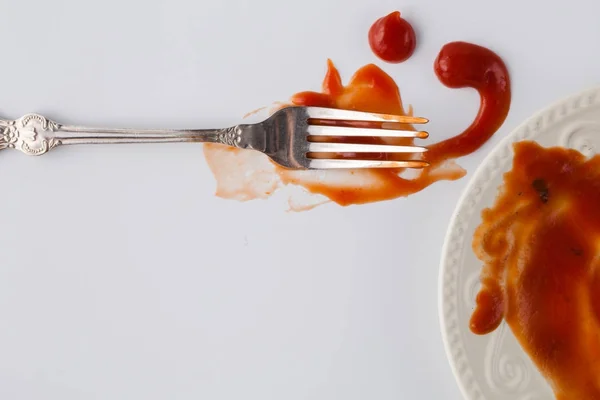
<point x="459" y="65"/>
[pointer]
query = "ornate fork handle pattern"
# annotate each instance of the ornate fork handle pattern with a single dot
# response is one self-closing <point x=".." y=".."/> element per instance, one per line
<point x="32" y="134"/>
<point x="35" y="135"/>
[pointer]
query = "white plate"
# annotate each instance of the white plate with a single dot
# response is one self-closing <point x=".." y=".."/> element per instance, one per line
<point x="493" y="366"/>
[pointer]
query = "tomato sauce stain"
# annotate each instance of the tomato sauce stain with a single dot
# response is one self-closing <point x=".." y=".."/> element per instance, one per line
<point x="540" y="243"/>
<point x="458" y="65"/>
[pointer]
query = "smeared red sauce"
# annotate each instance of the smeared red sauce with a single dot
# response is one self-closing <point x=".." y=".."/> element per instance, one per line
<point x="458" y="65"/>
<point x="540" y="244"/>
<point x="392" y="38"/>
<point x="250" y="175"/>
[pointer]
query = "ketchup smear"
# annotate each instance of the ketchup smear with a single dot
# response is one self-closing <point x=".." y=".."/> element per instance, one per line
<point x="539" y="245"/>
<point x="458" y="65"/>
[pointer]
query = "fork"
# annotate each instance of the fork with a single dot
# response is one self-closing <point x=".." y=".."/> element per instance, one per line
<point x="294" y="137"/>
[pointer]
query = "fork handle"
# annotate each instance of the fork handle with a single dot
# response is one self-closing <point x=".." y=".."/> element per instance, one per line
<point x="34" y="134"/>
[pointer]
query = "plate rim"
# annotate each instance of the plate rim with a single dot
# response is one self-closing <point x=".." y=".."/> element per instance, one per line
<point x="528" y="129"/>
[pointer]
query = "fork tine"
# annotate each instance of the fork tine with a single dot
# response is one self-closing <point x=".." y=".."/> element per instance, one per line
<point x="347" y="164"/>
<point x="322" y="130"/>
<point x="346" y="115"/>
<point x="319" y="147"/>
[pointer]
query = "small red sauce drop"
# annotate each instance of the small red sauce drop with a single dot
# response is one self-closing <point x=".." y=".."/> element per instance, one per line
<point x="392" y="38"/>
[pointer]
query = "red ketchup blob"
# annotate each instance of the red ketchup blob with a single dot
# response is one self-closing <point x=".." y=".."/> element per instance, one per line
<point x="392" y="38"/>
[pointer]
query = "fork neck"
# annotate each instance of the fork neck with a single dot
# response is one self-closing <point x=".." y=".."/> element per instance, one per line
<point x="245" y="136"/>
<point x="241" y="136"/>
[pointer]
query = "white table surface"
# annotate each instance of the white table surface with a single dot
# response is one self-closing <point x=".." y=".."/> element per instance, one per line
<point x="123" y="277"/>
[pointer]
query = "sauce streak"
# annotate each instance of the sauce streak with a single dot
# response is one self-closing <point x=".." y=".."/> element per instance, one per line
<point x="540" y="244"/>
<point x="392" y="38"/>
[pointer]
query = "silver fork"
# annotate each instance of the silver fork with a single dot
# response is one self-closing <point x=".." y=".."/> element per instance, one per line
<point x="287" y="137"/>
